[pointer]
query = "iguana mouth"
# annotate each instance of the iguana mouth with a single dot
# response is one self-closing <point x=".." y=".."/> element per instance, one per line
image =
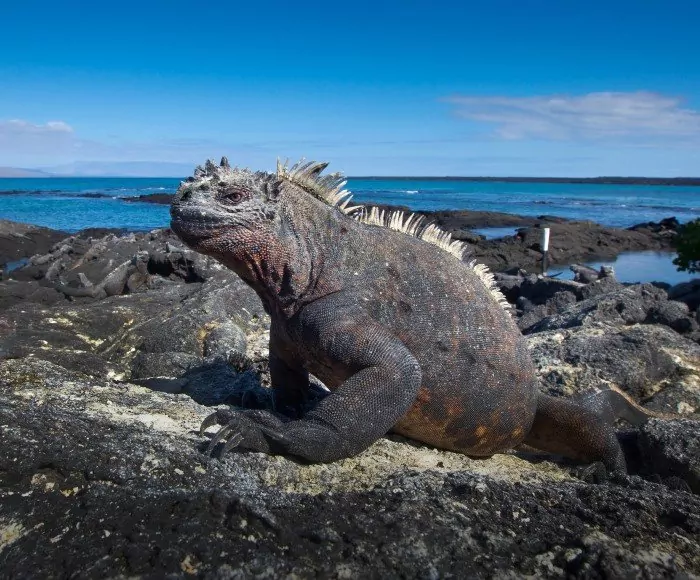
<point x="190" y="233"/>
<point x="192" y="225"/>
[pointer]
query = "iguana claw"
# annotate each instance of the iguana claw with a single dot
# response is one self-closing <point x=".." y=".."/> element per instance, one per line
<point x="210" y="421"/>
<point x="232" y="442"/>
<point x="219" y="417"/>
<point x="229" y="434"/>
<point x="220" y="435"/>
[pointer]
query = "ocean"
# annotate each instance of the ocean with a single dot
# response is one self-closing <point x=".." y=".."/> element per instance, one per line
<point x="72" y="204"/>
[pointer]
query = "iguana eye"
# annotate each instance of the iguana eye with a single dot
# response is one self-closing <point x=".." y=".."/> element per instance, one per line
<point x="234" y="196"/>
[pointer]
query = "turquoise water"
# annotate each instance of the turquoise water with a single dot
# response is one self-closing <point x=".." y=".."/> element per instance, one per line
<point x="67" y="203"/>
<point x="614" y="205"/>
<point x="61" y="203"/>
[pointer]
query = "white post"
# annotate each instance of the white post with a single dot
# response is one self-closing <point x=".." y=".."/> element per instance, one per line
<point x="545" y="249"/>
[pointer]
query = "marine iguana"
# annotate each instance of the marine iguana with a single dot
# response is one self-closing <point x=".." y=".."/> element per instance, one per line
<point x="383" y="308"/>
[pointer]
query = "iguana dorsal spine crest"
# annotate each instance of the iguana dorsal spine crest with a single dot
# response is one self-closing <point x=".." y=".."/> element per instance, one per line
<point x="330" y="190"/>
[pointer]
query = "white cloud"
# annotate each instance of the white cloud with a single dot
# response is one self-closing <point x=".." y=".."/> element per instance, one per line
<point x="22" y="141"/>
<point x="18" y="127"/>
<point x="604" y="115"/>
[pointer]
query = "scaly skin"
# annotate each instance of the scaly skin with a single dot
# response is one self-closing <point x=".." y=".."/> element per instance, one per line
<point x="406" y="336"/>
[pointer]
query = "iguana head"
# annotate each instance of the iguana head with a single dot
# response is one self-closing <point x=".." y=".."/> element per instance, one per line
<point x="245" y="219"/>
<point x="221" y="208"/>
<point x="225" y="212"/>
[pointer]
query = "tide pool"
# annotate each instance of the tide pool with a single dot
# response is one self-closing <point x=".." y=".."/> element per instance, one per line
<point x="646" y="266"/>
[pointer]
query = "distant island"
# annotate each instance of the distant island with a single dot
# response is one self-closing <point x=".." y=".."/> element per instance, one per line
<point x="19" y="172"/>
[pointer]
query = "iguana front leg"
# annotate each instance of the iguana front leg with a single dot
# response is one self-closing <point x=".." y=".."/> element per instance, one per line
<point x="290" y="385"/>
<point x="383" y="383"/>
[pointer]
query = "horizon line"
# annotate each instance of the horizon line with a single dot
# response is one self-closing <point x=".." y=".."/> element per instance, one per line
<point x="618" y="179"/>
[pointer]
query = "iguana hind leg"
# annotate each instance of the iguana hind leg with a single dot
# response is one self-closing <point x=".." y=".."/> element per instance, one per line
<point x="576" y="428"/>
<point x="582" y="427"/>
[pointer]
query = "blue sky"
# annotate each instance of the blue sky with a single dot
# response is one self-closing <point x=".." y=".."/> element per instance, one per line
<point x="384" y="88"/>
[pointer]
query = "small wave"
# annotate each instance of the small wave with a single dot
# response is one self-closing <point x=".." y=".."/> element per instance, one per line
<point x="411" y="191"/>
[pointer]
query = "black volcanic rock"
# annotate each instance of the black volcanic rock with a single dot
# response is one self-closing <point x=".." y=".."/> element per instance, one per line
<point x="455" y="220"/>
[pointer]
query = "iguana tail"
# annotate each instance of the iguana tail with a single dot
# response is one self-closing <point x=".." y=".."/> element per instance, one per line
<point x="583" y="427"/>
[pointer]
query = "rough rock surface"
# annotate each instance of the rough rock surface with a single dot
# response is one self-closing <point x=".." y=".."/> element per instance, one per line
<point x="100" y="478"/>
<point x="549" y="303"/>
<point x="102" y="475"/>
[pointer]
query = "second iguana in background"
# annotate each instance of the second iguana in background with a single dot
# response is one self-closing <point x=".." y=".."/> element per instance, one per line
<point x="382" y="307"/>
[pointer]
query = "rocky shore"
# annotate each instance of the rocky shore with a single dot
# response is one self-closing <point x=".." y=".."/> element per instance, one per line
<point x="114" y="346"/>
<point x="570" y="241"/>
